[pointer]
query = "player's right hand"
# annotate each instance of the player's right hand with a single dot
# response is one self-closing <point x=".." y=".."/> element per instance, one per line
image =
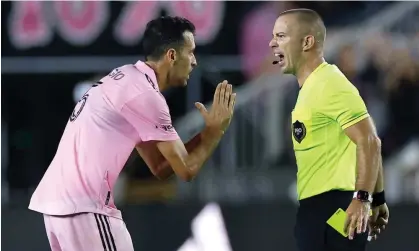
<point x="221" y="112"/>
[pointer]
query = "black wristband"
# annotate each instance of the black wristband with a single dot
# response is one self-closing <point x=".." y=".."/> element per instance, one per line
<point x="378" y="199"/>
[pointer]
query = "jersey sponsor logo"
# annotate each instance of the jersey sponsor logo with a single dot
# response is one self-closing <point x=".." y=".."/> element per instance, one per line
<point x="299" y="131"/>
<point x="167" y="128"/>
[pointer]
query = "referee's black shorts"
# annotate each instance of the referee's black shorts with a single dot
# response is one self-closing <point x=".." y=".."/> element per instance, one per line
<point x="311" y="230"/>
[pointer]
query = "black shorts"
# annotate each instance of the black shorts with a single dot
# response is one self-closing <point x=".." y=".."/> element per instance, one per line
<point x="314" y="234"/>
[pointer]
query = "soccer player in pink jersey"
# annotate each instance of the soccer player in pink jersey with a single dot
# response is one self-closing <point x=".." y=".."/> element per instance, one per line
<point x="125" y="110"/>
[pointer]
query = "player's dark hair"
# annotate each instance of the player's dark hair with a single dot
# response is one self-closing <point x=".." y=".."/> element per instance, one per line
<point x="164" y="33"/>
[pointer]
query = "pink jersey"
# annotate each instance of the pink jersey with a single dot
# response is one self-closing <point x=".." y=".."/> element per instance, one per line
<point x="125" y="108"/>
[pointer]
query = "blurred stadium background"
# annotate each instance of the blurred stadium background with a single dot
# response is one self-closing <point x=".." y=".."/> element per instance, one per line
<point x="53" y="51"/>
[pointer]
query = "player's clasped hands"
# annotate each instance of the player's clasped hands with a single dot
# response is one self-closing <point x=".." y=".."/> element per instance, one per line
<point x="357" y="218"/>
<point x="222" y="109"/>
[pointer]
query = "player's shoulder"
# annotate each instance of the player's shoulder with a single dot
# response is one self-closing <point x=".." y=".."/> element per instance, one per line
<point x="127" y="72"/>
<point x="128" y="82"/>
<point x="146" y="82"/>
<point x="135" y="76"/>
<point x="121" y="76"/>
<point x="138" y="69"/>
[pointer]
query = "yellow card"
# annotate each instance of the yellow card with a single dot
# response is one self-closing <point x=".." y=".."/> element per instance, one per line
<point x="337" y="221"/>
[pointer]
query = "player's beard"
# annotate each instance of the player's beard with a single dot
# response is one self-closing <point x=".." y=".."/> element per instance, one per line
<point x="183" y="81"/>
<point x="179" y="74"/>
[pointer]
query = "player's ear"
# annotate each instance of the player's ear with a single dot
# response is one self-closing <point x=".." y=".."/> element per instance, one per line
<point x="308" y="42"/>
<point x="171" y="55"/>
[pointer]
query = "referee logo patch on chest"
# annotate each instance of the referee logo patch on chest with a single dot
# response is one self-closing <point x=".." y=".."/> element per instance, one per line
<point x="299" y="131"/>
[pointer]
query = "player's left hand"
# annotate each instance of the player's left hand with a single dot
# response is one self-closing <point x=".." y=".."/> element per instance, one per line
<point x="378" y="221"/>
<point x="222" y="109"/>
<point x="357" y="218"/>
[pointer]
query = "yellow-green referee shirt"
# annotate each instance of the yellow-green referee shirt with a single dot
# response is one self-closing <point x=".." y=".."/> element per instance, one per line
<point x="326" y="158"/>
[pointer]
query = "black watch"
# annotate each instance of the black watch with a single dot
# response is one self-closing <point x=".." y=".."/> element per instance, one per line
<point x="363" y="196"/>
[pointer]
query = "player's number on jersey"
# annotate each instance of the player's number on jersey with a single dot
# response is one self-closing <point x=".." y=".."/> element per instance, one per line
<point x="80" y="105"/>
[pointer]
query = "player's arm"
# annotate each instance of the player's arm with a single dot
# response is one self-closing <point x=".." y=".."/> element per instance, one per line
<point x="151" y="155"/>
<point x="158" y="165"/>
<point x="368" y="154"/>
<point x="147" y="114"/>
<point x="187" y="165"/>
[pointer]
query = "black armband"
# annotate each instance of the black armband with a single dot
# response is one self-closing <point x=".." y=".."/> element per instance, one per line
<point x="378" y="199"/>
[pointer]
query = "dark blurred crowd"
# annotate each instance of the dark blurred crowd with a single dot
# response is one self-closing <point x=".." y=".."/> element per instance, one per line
<point x="388" y="80"/>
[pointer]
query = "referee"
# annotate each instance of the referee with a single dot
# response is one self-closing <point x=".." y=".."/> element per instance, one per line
<point x="335" y="141"/>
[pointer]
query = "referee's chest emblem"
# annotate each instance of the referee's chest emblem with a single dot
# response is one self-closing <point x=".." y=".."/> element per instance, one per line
<point x="298" y="131"/>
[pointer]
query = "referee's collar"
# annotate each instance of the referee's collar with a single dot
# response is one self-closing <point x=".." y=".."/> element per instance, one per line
<point x="321" y="66"/>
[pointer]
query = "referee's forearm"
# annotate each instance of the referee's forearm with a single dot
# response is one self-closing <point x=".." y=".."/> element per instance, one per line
<point x="379" y="186"/>
<point x="368" y="164"/>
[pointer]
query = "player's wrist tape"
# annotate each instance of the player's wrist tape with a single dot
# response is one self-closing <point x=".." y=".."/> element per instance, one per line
<point x="378" y="199"/>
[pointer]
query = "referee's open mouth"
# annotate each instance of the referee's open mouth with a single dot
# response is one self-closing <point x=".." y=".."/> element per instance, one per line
<point x="280" y="59"/>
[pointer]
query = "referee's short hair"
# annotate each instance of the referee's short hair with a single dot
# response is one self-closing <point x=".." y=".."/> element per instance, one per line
<point x="310" y="20"/>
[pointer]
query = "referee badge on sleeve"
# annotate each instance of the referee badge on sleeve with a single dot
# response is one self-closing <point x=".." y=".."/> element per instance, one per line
<point x="298" y="131"/>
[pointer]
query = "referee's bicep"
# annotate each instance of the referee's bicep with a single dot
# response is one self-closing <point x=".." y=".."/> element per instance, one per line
<point x="346" y="108"/>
